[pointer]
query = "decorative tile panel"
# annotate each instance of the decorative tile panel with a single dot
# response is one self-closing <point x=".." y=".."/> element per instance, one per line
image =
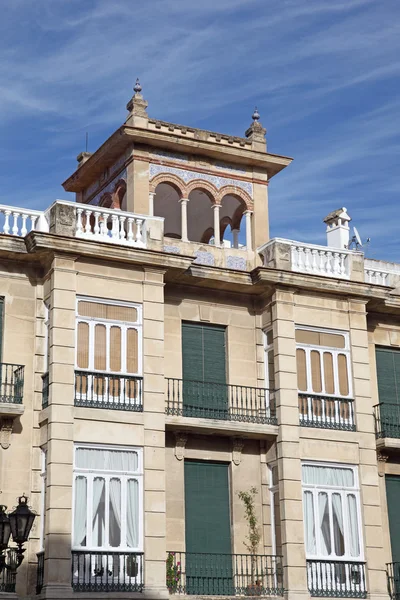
<point x="204" y="258"/>
<point x="188" y="176"/>
<point x="236" y="262"/>
<point x="174" y="155"/>
<point x="173" y="249"/>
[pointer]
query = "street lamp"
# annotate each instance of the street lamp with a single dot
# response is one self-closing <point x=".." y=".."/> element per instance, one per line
<point x="17" y="523"/>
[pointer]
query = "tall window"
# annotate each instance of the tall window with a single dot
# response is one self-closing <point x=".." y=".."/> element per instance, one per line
<point x="276" y="537"/>
<point x="323" y="362"/>
<point x="331" y="506"/>
<point x="43" y="496"/>
<point x="108" y="509"/>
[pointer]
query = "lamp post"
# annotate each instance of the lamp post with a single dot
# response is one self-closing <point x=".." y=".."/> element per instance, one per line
<point x="17" y="524"/>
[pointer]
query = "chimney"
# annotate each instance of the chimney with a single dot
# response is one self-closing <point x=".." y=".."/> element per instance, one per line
<point x="337" y="228"/>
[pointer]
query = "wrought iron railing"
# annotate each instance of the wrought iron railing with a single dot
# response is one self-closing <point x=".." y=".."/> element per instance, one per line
<point x="40" y="572"/>
<point x="387" y="420"/>
<point x="207" y="400"/>
<point x="104" y="390"/>
<point x="45" y="390"/>
<point x="98" y="571"/>
<point x="393" y="580"/>
<point x="336" y="579"/>
<point x="11" y="383"/>
<point x="8" y="575"/>
<point x="326" y="412"/>
<point x="224" y="574"/>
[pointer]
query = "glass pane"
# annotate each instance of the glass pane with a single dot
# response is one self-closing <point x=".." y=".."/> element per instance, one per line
<point x="328" y="373"/>
<point x="98" y="512"/>
<point x="316" y="372"/>
<point x="343" y="375"/>
<point x="269" y="337"/>
<point x="338" y="527"/>
<point x="83" y="346"/>
<point x="274" y="472"/>
<point x="319" y="338"/>
<point x="354" y="534"/>
<point x="277" y="523"/>
<point x="307" y="337"/>
<point x="271" y="370"/>
<point x="309" y="523"/>
<point x="324" y="524"/>
<point x="80" y="511"/>
<point x="115" y="349"/>
<point x="301" y="370"/>
<point x="333" y="476"/>
<point x="132" y="351"/>
<point x="98" y="310"/>
<point x="332" y="340"/>
<point x="114" y="526"/>
<point x="132" y="514"/>
<point x="100" y="347"/>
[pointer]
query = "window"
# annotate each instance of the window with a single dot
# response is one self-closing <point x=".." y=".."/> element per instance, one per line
<point x="388" y="373"/>
<point x="107" y="498"/>
<point x="276" y="539"/>
<point x="323" y="362"/>
<point x="43" y="496"/>
<point x="331" y="507"/>
<point x="269" y="360"/>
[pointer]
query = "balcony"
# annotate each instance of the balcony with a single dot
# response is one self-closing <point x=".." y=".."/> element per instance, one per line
<point x="330" y="579"/>
<point x="98" y="571"/>
<point x="387" y="424"/>
<point x="11" y="390"/>
<point x="104" y="390"/>
<point x="326" y="412"/>
<point x="224" y="574"/>
<point x="242" y="406"/>
<point x="8" y="577"/>
<point x="393" y="580"/>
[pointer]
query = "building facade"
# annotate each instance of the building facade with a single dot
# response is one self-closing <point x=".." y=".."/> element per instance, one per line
<point x="161" y="354"/>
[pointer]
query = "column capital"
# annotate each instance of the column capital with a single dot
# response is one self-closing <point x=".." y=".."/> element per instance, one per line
<point x="186" y="200"/>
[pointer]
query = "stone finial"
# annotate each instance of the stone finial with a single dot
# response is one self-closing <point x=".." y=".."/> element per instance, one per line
<point x="256" y="133"/>
<point x="137" y="108"/>
<point x="83" y="157"/>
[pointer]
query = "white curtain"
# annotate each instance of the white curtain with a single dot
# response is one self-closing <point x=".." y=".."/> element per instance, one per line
<point x="338" y="531"/>
<point x="132" y="513"/>
<point x="98" y="512"/>
<point x="80" y="510"/>
<point x="109" y="460"/>
<point x="324" y="524"/>
<point x="353" y="524"/>
<point x="321" y="475"/>
<point x="309" y="523"/>
<point x="115" y="499"/>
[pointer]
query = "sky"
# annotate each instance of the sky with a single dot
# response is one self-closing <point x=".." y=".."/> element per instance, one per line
<point x="324" y="75"/>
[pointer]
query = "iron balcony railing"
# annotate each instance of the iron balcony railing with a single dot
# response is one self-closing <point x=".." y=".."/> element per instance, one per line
<point x="207" y="400"/>
<point x="11" y="383"/>
<point x="393" y="580"/>
<point x="326" y="412"/>
<point x="39" y="572"/>
<point x="105" y="390"/>
<point x="387" y="420"/>
<point x="45" y="390"/>
<point x="102" y="571"/>
<point x="224" y="574"/>
<point x="336" y="579"/>
<point x="8" y="575"/>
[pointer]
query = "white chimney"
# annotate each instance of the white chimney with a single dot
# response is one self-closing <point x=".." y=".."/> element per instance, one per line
<point x="337" y="228"/>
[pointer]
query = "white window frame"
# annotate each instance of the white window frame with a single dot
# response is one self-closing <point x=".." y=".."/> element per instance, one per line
<point x="107" y="475"/>
<point x="343" y="492"/>
<point x="268" y="348"/>
<point x="46" y="336"/>
<point x="273" y="489"/>
<point x="43" y="483"/>
<point x="308" y="348"/>
<point x="124" y="326"/>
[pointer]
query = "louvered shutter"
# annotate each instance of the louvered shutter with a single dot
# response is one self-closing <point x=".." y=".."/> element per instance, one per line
<point x="393" y="495"/>
<point x="388" y="373"/>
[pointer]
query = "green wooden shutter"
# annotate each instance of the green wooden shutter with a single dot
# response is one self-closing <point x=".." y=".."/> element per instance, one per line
<point x="388" y="373"/>
<point x="214" y="354"/>
<point x="393" y="495"/>
<point x="192" y="352"/>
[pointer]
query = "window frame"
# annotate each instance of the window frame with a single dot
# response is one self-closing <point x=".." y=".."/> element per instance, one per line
<point x="124" y="326"/>
<point x="344" y="493"/>
<point x="124" y="476"/>
<point x="268" y="348"/>
<point x="346" y="351"/>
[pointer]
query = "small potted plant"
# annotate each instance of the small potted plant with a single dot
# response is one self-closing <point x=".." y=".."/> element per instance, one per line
<point x="253" y="537"/>
<point x="173" y="573"/>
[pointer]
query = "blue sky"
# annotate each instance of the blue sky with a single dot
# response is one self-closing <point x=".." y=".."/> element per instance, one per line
<point x="324" y="75"/>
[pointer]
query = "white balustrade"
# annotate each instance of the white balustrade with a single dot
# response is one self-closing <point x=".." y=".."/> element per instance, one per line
<point x="112" y="226"/>
<point x="18" y="222"/>
<point x="376" y="277"/>
<point x="319" y="260"/>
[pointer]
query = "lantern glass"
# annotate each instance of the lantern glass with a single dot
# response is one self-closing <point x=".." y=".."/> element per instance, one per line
<point x="5" y="528"/>
<point x="21" y="521"/>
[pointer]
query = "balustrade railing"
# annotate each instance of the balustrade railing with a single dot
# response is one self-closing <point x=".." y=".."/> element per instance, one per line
<point x="105" y="390"/>
<point x="39" y="572"/>
<point x="207" y="400"/>
<point x="376" y="277"/>
<point x="100" y="571"/>
<point x="319" y="260"/>
<point x="20" y="221"/>
<point x="224" y="574"/>
<point x="11" y="383"/>
<point x="387" y="420"/>
<point x="107" y="225"/>
<point x="326" y="412"/>
<point x="336" y="579"/>
<point x="393" y="580"/>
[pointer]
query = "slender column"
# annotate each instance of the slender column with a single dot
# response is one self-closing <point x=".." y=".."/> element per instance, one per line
<point x="249" y="244"/>
<point x="151" y="203"/>
<point x="235" y="234"/>
<point x="184" y="234"/>
<point x="217" y="234"/>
